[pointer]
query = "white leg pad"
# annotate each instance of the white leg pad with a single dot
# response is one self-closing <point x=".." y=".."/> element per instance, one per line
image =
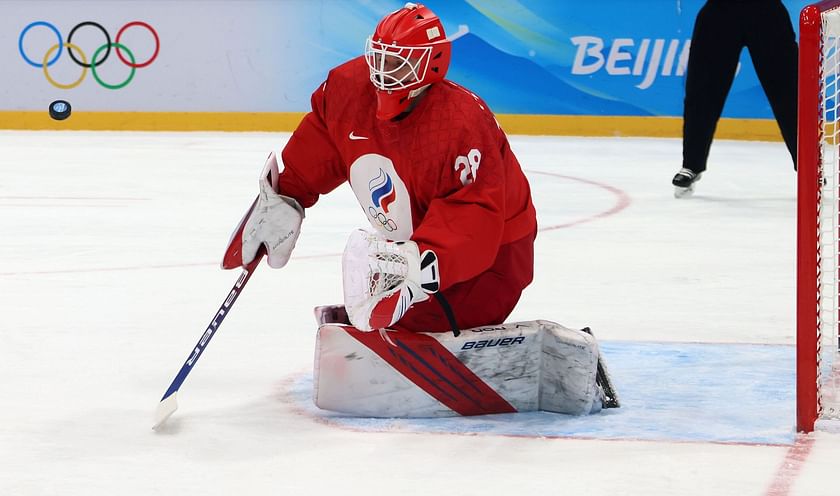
<point x="515" y="367"/>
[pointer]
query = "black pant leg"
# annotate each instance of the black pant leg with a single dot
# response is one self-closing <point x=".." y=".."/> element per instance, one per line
<point x="775" y="55"/>
<point x="715" y="48"/>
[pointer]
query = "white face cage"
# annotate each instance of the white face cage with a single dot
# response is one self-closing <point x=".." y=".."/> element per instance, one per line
<point x="395" y="67"/>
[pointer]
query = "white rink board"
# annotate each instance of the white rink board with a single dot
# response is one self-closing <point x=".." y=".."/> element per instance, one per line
<point x="213" y="56"/>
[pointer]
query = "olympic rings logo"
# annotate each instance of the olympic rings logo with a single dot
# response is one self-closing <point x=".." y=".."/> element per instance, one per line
<point x="380" y="218"/>
<point x="95" y="61"/>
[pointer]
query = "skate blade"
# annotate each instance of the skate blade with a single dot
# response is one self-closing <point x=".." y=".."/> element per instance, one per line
<point x="683" y="192"/>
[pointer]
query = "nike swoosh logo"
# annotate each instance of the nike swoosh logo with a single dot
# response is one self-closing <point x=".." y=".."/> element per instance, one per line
<point x="354" y="137"/>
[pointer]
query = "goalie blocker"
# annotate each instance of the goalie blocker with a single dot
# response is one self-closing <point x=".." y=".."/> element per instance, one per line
<point x="515" y="367"/>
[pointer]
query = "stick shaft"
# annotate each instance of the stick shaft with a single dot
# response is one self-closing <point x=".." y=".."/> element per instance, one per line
<point x="211" y="329"/>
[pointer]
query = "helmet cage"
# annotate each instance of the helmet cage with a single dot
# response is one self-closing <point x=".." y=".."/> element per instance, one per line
<point x="409" y="71"/>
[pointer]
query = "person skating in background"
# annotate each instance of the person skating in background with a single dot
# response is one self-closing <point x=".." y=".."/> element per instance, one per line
<point x="722" y="29"/>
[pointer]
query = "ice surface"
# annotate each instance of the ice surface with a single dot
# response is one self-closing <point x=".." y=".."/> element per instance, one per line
<point x="109" y="271"/>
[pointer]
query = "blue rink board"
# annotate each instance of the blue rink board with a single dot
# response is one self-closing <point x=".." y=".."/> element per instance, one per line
<point x="733" y="393"/>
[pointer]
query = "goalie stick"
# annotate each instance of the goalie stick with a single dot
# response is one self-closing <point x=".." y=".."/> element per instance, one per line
<point x="169" y="403"/>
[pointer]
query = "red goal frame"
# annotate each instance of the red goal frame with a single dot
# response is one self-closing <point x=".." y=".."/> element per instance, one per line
<point x="809" y="180"/>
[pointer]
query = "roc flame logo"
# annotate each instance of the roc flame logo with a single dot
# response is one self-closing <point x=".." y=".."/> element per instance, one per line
<point x="382" y="192"/>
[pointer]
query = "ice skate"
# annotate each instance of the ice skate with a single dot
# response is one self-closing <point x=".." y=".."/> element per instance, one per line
<point x="684" y="182"/>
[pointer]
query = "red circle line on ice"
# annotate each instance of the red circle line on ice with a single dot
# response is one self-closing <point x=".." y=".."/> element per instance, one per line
<point x="622" y="201"/>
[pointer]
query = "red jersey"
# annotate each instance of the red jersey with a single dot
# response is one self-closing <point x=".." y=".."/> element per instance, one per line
<point x="443" y="176"/>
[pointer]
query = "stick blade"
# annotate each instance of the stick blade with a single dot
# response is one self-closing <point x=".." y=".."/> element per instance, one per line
<point x="165" y="409"/>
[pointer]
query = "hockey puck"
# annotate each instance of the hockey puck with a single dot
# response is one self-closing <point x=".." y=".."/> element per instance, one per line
<point x="60" y="110"/>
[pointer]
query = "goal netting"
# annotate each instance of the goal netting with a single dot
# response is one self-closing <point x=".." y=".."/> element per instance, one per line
<point x="818" y="231"/>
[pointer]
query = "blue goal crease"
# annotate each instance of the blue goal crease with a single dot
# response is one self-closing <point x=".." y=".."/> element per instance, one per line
<point x="681" y="392"/>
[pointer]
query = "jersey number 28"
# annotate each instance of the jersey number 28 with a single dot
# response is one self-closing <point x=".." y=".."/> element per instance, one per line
<point x="468" y="166"/>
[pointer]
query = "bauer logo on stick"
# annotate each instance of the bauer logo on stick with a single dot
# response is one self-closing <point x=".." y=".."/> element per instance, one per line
<point x="60" y="110"/>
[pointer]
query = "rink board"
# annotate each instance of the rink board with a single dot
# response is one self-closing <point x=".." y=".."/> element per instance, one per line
<point x="684" y="392"/>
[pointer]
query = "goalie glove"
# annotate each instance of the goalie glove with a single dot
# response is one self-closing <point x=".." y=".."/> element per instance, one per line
<point x="382" y="279"/>
<point x="272" y="221"/>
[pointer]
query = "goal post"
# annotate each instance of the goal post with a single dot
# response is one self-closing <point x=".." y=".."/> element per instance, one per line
<point x="818" y="216"/>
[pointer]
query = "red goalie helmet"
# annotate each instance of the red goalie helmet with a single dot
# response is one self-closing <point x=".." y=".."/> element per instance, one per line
<point x="407" y="52"/>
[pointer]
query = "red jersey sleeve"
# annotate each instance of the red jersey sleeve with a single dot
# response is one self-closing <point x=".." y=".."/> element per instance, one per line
<point x="465" y="227"/>
<point x="313" y="166"/>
